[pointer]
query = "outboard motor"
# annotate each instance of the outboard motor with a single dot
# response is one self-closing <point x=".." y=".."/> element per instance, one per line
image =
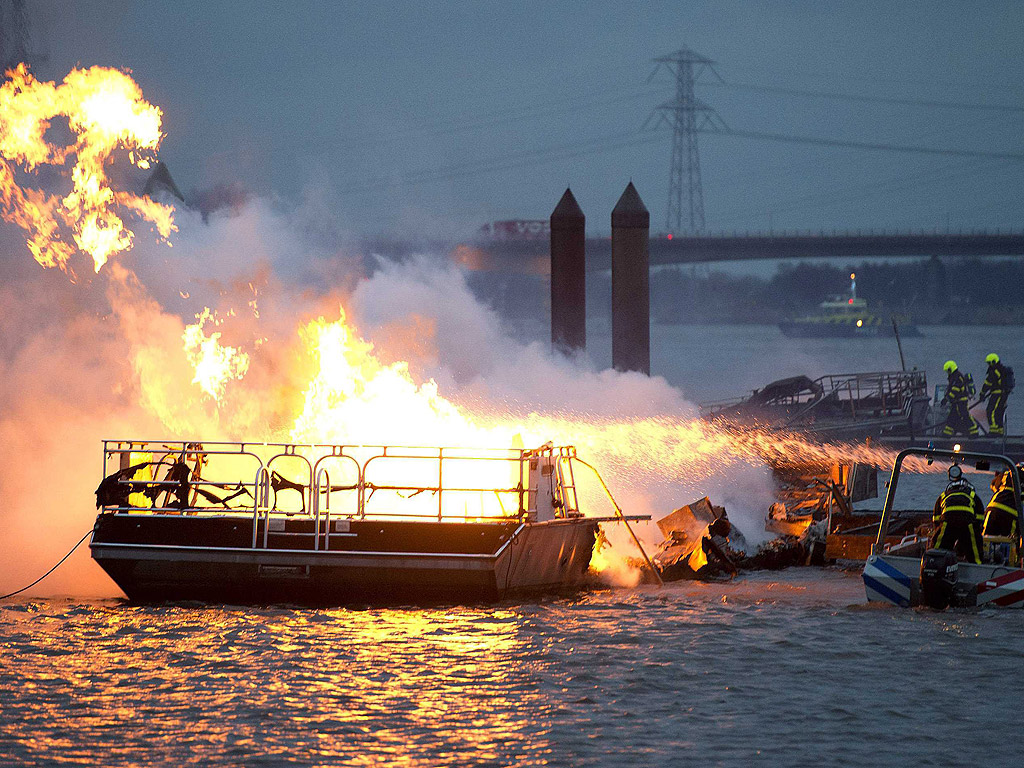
<point x="939" y="574"/>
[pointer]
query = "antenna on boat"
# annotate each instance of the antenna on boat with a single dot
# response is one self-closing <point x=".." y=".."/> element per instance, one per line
<point x="899" y="344"/>
<point x="853" y="287"/>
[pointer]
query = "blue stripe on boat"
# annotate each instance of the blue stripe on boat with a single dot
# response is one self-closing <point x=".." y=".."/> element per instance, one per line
<point x="889" y="594"/>
<point x="892" y="572"/>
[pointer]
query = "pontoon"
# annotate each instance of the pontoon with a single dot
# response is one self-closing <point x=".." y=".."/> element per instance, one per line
<point x="258" y="523"/>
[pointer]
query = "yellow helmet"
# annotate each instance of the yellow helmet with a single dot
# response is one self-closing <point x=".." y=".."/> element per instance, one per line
<point x="949" y="366"/>
<point x="991" y="357"/>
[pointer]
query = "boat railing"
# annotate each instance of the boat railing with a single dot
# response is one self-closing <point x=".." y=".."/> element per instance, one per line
<point x="410" y="482"/>
<point x="321" y="487"/>
<point x="201" y="492"/>
<point x="261" y="507"/>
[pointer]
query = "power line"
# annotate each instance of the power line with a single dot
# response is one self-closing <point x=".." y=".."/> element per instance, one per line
<point x="514" y="160"/>
<point x="865" y="98"/>
<point x="872" y="189"/>
<point x="872" y="145"/>
<point x="859" y="76"/>
<point x="630" y="139"/>
<point x="537" y="111"/>
<point x="813" y="160"/>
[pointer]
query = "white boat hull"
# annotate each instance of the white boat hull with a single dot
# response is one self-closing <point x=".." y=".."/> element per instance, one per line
<point x="896" y="580"/>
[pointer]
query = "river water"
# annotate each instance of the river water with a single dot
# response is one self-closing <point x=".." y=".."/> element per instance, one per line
<point x="789" y="668"/>
<point x="773" y="669"/>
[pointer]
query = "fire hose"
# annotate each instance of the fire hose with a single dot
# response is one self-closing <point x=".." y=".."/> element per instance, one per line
<point x="19" y="591"/>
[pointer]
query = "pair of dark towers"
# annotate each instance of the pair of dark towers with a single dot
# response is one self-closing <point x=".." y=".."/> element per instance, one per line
<point x="631" y="293"/>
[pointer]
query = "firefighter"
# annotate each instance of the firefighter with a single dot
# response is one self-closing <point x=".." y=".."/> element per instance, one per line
<point x="958" y="515"/>
<point x="995" y="389"/>
<point x="958" y="394"/>
<point x="1001" y="516"/>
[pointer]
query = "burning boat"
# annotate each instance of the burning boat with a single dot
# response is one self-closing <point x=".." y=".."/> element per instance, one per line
<point x="908" y="573"/>
<point x="267" y="523"/>
<point x="842" y="406"/>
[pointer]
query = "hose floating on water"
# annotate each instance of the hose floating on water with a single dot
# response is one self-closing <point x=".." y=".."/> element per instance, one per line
<point x="19" y="591"/>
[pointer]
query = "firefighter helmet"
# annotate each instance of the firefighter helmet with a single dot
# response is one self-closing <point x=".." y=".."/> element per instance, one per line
<point x="949" y="366"/>
<point x="991" y="357"/>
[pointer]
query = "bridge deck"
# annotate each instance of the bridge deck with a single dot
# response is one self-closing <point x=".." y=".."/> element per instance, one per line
<point x="533" y="255"/>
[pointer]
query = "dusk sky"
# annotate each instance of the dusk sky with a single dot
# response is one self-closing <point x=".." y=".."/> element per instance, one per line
<point x="433" y="118"/>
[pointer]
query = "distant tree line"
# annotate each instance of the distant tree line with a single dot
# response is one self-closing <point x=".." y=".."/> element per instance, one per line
<point x="953" y="291"/>
<point x="927" y="291"/>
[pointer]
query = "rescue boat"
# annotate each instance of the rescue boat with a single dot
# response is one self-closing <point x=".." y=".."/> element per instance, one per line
<point x="908" y="573"/>
<point x="846" y="318"/>
<point x="247" y="523"/>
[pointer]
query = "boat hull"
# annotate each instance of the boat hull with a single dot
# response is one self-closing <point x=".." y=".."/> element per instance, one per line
<point x="157" y="558"/>
<point x="895" y="580"/>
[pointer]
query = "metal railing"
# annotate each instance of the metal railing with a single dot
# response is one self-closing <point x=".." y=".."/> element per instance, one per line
<point x="194" y="478"/>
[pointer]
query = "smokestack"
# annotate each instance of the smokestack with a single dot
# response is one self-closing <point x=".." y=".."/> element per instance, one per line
<point x="631" y="292"/>
<point x="568" y="276"/>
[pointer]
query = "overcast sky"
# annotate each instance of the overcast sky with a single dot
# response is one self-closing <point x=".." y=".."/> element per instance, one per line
<point x="406" y="117"/>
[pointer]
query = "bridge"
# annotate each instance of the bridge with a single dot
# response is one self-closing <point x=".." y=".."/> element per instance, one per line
<point x="532" y="255"/>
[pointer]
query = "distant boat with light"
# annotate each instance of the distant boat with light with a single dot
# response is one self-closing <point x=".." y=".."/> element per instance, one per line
<point x="845" y="318"/>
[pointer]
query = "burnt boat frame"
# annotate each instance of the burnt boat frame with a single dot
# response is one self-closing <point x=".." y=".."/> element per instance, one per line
<point x="266" y="555"/>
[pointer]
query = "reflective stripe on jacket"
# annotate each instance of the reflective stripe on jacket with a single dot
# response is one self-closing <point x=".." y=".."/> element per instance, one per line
<point x="958" y="500"/>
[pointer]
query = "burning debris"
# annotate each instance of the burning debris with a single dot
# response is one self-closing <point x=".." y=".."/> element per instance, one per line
<point x="697" y="543"/>
<point x="701" y="543"/>
<point x="809" y="492"/>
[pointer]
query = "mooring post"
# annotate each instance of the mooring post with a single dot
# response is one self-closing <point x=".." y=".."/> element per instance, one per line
<point x="631" y="292"/>
<point x="568" y="276"/>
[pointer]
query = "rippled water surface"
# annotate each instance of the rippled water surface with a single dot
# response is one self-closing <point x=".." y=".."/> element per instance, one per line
<point x="773" y="669"/>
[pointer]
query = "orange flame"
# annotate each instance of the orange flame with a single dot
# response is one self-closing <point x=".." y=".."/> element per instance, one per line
<point x="354" y="397"/>
<point x="214" y="363"/>
<point x="105" y="111"/>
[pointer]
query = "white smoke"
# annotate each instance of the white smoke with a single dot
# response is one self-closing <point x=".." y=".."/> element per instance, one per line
<point x="493" y="375"/>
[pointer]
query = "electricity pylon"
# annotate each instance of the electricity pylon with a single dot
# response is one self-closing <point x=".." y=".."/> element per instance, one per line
<point x="686" y="115"/>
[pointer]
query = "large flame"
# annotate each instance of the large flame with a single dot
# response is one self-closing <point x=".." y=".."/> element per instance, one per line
<point x="353" y="397"/>
<point x="105" y="111"/>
